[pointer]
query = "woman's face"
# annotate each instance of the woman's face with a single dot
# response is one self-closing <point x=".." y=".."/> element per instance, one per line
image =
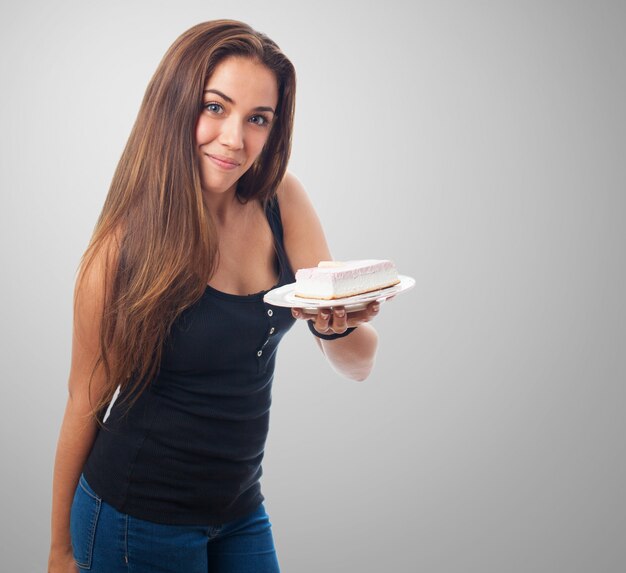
<point x="239" y="103"/>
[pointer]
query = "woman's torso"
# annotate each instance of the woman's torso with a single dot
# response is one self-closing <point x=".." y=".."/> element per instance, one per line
<point x="190" y="450"/>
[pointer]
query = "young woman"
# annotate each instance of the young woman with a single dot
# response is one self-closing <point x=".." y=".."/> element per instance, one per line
<point x="201" y="220"/>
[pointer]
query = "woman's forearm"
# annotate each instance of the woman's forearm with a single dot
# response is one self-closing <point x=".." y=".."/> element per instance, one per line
<point x="76" y="438"/>
<point x="352" y="356"/>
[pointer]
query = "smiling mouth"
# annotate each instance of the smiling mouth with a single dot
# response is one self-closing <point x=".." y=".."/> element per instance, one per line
<point x="223" y="161"/>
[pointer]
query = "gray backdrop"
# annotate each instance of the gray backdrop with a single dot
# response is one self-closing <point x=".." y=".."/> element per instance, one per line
<point x="481" y="146"/>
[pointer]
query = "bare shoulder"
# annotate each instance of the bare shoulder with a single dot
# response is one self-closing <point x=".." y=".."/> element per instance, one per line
<point x="293" y="199"/>
<point x="95" y="277"/>
<point x="305" y="242"/>
<point x="101" y="256"/>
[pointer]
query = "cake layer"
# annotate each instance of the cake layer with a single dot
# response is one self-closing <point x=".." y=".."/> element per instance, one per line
<point x="334" y="279"/>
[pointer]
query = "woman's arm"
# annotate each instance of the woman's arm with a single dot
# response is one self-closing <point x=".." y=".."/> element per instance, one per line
<point x="352" y="356"/>
<point x="78" y="429"/>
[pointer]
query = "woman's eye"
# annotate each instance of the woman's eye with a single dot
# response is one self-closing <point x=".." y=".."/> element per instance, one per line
<point x="212" y="106"/>
<point x="261" y="120"/>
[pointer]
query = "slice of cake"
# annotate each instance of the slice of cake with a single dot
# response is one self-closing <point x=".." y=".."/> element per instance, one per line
<point x="335" y="279"/>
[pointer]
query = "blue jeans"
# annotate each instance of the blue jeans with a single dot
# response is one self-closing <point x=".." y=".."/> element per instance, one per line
<point x="107" y="541"/>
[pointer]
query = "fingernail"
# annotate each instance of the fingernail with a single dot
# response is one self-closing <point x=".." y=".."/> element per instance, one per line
<point x="375" y="308"/>
<point x="324" y="315"/>
<point x="340" y="313"/>
<point x="295" y="313"/>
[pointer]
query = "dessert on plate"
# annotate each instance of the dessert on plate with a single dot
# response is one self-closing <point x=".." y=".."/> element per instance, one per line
<point x="335" y="279"/>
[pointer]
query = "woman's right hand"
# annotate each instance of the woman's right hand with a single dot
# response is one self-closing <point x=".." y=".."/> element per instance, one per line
<point x="62" y="562"/>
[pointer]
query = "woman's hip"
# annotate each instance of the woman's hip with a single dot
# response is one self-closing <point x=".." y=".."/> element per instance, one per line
<point x="107" y="540"/>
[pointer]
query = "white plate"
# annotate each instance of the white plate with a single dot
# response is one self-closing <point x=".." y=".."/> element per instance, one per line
<point x="285" y="296"/>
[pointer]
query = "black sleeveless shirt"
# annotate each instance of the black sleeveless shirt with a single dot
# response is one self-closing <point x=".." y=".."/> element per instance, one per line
<point x="190" y="449"/>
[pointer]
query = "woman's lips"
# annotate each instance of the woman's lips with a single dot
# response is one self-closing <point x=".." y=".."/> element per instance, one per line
<point x="223" y="163"/>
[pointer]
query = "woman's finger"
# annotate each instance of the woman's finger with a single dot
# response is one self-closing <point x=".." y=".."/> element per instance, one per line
<point x="322" y="320"/>
<point x="373" y="308"/>
<point x="302" y="313"/>
<point x="339" y="320"/>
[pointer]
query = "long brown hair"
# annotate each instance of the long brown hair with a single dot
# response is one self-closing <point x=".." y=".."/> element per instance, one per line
<point x="167" y="242"/>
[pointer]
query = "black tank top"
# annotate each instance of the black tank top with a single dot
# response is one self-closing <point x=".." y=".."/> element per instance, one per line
<point x="190" y="449"/>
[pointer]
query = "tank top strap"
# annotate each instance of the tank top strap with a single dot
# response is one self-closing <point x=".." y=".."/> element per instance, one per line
<point x="272" y="212"/>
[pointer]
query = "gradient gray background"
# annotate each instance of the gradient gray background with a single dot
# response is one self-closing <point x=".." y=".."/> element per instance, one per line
<point x="481" y="146"/>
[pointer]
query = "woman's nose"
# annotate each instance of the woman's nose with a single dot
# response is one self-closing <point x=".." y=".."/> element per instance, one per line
<point x="232" y="133"/>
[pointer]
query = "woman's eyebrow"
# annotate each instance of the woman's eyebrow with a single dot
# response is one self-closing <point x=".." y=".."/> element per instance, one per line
<point x="230" y="100"/>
